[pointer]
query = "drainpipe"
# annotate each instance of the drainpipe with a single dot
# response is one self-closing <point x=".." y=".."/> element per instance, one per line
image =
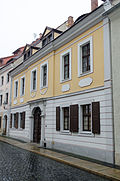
<point x="113" y="127"/>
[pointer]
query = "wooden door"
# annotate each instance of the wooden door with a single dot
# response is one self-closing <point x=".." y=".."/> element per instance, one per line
<point x="37" y="126"/>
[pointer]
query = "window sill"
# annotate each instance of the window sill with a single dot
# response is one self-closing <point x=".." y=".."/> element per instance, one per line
<point x="62" y="81"/>
<point x="32" y="91"/>
<point x="43" y="87"/>
<point x="84" y="74"/>
<point x="65" y="132"/>
<point x="86" y="134"/>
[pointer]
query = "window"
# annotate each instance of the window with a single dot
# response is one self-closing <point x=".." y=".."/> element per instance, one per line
<point x="44" y="75"/>
<point x="44" y="42"/>
<point x="0" y="121"/>
<point x="66" y="118"/>
<point x="85" y="57"/>
<point x="7" y="78"/>
<point x="2" y="80"/>
<point x="6" y="101"/>
<point x="65" y="66"/>
<point x="1" y="99"/>
<point x="22" y="88"/>
<point x="22" y="120"/>
<point x="34" y="80"/>
<point x="27" y="54"/>
<point x="87" y="122"/>
<point x="16" y="120"/>
<point x="16" y="89"/>
<point x="86" y="117"/>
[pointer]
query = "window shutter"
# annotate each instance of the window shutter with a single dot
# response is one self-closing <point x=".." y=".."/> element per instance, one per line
<point x="96" y="117"/>
<point x="23" y="120"/>
<point x="16" y="122"/>
<point x="74" y="118"/>
<point x="10" y="120"/>
<point x="57" y="118"/>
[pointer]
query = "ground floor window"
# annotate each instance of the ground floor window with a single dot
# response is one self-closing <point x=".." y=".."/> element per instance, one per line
<point x="66" y="118"/>
<point x="17" y="120"/>
<point x="86" y="117"/>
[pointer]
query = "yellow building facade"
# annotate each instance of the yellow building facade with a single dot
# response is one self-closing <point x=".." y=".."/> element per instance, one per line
<point x="61" y="95"/>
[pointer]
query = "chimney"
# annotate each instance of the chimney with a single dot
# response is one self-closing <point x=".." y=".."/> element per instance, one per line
<point x="94" y="4"/>
<point x="70" y="21"/>
<point x="40" y="35"/>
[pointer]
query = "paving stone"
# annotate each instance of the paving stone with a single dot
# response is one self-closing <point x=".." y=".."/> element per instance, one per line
<point x="20" y="165"/>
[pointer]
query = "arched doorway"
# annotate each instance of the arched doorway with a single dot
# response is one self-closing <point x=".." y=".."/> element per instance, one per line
<point x="37" y="125"/>
<point x="5" y="125"/>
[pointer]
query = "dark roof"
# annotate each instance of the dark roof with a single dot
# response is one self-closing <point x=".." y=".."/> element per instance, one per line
<point x="81" y="18"/>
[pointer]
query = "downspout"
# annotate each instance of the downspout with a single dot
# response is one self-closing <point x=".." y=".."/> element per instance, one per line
<point x="113" y="128"/>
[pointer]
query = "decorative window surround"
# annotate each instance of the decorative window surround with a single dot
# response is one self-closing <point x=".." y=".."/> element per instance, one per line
<point x="85" y="82"/>
<point x="22" y="86"/>
<point x="80" y="45"/>
<point x="32" y="89"/>
<point x="44" y="75"/>
<point x="15" y="88"/>
<point x="65" y="87"/>
<point x="62" y="62"/>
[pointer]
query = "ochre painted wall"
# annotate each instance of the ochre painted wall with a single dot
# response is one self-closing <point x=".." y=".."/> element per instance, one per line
<point x="53" y="59"/>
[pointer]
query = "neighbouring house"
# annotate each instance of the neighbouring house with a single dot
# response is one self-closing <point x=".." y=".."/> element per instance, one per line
<point x="113" y="16"/>
<point x="61" y="96"/>
<point x="5" y="83"/>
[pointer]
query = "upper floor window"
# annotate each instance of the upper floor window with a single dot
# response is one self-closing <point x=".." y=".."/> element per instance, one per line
<point x="34" y="80"/>
<point x="7" y="78"/>
<point x="16" y="89"/>
<point x="65" y="66"/>
<point x="6" y="99"/>
<point x="85" y="57"/>
<point x="2" y="80"/>
<point x="44" y="75"/>
<point x="22" y="87"/>
<point x="1" y="99"/>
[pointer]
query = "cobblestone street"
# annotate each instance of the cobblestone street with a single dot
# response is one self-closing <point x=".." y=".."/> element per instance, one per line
<point x="21" y="165"/>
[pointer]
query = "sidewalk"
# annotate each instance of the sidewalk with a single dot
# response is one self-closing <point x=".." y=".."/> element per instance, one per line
<point x="98" y="169"/>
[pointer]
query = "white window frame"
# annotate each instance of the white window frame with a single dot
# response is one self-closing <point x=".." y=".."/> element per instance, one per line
<point x="31" y="80"/>
<point x="15" y="88"/>
<point x="41" y="75"/>
<point x="23" y="77"/>
<point x="80" y="45"/>
<point x="62" y="119"/>
<point x="80" y="118"/>
<point x="69" y="51"/>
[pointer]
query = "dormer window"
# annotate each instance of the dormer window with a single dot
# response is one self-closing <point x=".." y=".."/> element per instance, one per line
<point x="44" y="42"/>
<point x="49" y="38"/>
<point x="24" y="56"/>
<point x="27" y="54"/>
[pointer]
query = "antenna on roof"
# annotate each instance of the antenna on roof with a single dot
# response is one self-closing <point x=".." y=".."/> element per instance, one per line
<point x="34" y="35"/>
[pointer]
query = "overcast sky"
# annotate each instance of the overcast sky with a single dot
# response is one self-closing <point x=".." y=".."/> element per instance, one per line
<point x="20" y="19"/>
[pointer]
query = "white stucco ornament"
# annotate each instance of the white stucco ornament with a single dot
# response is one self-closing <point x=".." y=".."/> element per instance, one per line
<point x="65" y="87"/>
<point x="85" y="82"/>
<point x="21" y="100"/>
